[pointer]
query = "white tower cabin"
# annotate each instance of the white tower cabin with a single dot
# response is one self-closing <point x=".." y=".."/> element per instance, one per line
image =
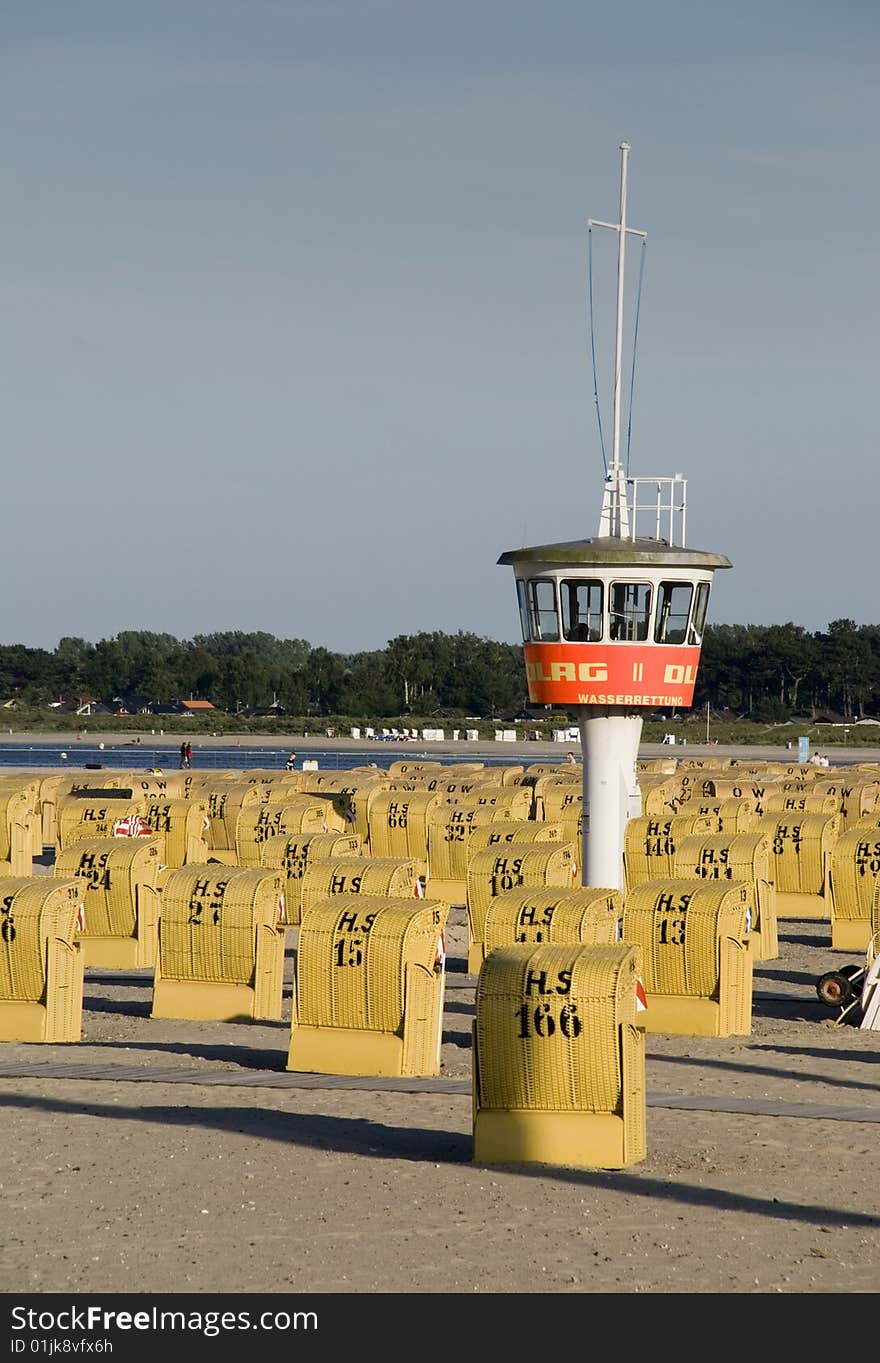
<point x="612" y="626"/>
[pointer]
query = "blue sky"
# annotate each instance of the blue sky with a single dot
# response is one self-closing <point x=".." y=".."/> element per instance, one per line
<point x="295" y="333"/>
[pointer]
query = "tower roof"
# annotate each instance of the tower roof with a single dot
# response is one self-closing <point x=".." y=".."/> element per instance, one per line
<point x="608" y="550"/>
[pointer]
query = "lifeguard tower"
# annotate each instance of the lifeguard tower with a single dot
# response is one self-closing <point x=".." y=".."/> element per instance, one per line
<point x="613" y="625"/>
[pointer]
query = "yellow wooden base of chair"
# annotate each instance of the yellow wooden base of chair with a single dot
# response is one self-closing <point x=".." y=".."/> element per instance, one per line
<point x="677" y="1015"/>
<point x="476" y="957"/>
<point x="764" y="946"/>
<point x="117" y="953"/>
<point x="755" y="946"/>
<point x="585" y="1140"/>
<point x="452" y="892"/>
<point x="344" y="1050"/>
<point x="61" y="1021"/>
<point x="204" y="1001"/>
<point x="850" y="934"/>
<point x="791" y="905"/>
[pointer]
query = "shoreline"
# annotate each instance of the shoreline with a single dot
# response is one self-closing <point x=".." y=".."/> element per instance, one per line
<point x="527" y="751"/>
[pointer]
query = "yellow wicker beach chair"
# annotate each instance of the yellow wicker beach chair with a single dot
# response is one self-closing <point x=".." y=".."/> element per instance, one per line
<point x="221" y="944"/>
<point x="661" y="796"/>
<point x="352" y="795"/>
<point x="855" y="866"/>
<point x="145" y="786"/>
<point x="856" y="796"/>
<point x="649" y="844"/>
<point x="183" y="825"/>
<point x="399" y="824"/>
<point x="225" y="802"/>
<point x="82" y="819"/>
<point x="41" y="964"/>
<point x="563" y="804"/>
<point x="291" y="856"/>
<point x="449" y="829"/>
<point x="697" y="965"/>
<point x="121" y="899"/>
<point x="417" y="767"/>
<point x="534" y="915"/>
<point x="369" y="979"/>
<point x="257" y="824"/>
<point x="53" y="787"/>
<point x="733" y="816"/>
<point x="30" y="784"/>
<point x="21" y="836"/>
<point x="738" y="856"/>
<point x="656" y="766"/>
<point x="801" y="847"/>
<point x="559" y="1057"/>
<point x="494" y="870"/>
<point x="792" y="803"/>
<point x="391" y="877"/>
<point x="513" y="830"/>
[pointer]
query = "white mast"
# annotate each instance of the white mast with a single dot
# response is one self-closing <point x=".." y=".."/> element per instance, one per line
<point x="614" y="519"/>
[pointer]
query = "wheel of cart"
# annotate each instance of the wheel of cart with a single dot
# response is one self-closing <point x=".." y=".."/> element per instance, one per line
<point x="837" y="988"/>
<point x="855" y="990"/>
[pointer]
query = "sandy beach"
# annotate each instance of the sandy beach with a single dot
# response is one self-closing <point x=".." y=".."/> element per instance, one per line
<point x="461" y="750"/>
<point x="171" y="1156"/>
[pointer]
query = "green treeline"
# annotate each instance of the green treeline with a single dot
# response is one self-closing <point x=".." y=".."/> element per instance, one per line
<point x="766" y="671"/>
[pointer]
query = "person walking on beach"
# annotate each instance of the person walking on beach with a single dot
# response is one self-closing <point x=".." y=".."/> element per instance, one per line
<point x="182" y="755"/>
<point x="291" y="761"/>
<point x="189" y="754"/>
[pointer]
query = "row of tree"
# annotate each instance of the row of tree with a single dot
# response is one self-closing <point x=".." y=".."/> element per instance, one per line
<point x="766" y="671"/>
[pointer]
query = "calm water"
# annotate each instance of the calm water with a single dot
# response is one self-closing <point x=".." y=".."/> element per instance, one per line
<point x="143" y="757"/>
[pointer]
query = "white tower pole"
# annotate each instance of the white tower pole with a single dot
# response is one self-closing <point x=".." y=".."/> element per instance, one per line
<point x="611" y="793"/>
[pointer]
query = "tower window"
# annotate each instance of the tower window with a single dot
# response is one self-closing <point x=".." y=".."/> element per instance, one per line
<point x="543" y="620"/>
<point x="581" y="609"/>
<point x="630" y="611"/>
<point x="673" y="609"/>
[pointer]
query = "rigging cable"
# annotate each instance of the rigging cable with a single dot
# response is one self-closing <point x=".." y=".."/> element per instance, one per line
<point x="593" y="348"/>
<point x="635" y="343"/>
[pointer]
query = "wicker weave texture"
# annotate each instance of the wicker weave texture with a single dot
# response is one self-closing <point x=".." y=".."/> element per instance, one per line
<point x="257" y="824"/>
<point x="855" y="866"/>
<point x="855" y="797"/>
<point x="291" y="856"/>
<point x="352" y="958"/>
<point x="734" y="816"/>
<point x="16" y="804"/>
<point x="801" y="848"/>
<point x="144" y="786"/>
<point x="399" y="823"/>
<point x="679" y="925"/>
<point x="554" y="916"/>
<point x="210" y="917"/>
<point x="660" y="795"/>
<point x="225" y="803"/>
<point x="791" y="804"/>
<point x="183" y="824"/>
<point x="82" y="820"/>
<point x="497" y="834"/>
<point x="449" y="829"/>
<point x="391" y="877"/>
<point x="649" y="845"/>
<point x="495" y="870"/>
<point x="34" y="910"/>
<point x="414" y="768"/>
<point x="720" y="856"/>
<point x="549" y="1023"/>
<point x="111" y="869"/>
